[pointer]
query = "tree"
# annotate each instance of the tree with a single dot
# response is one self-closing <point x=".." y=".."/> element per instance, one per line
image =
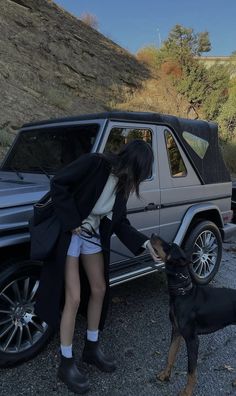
<point x="193" y="83"/>
<point x="183" y="43"/>
<point x="206" y="90"/>
<point x="204" y="44"/>
<point x="218" y="77"/>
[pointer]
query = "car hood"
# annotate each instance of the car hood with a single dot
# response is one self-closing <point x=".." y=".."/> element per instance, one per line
<point x="18" y="193"/>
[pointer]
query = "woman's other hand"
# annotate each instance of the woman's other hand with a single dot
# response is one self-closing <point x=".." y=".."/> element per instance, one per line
<point x="76" y="231"/>
<point x="152" y="252"/>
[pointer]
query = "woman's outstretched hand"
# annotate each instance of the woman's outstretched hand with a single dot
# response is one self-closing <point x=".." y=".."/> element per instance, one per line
<point x="152" y="252"/>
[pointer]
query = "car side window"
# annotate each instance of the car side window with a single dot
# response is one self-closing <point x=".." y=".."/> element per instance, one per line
<point x="177" y="166"/>
<point x="118" y="137"/>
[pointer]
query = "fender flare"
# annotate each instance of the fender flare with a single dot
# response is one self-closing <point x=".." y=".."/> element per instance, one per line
<point x="188" y="217"/>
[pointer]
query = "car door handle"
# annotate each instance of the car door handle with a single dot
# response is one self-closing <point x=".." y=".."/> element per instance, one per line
<point x="151" y="206"/>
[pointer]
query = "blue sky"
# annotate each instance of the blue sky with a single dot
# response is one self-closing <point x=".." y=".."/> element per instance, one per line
<point x="134" y="24"/>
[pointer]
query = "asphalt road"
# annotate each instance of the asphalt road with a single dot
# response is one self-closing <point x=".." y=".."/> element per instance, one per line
<point x="137" y="334"/>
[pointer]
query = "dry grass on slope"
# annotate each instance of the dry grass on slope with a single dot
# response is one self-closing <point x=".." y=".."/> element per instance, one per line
<point x="157" y="94"/>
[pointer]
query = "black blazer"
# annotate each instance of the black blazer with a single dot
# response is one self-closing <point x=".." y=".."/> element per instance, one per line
<point x="75" y="190"/>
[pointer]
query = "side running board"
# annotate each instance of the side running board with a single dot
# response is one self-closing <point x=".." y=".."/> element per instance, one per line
<point x="121" y="272"/>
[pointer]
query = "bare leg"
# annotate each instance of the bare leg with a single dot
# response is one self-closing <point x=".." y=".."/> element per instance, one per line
<point x="174" y="347"/>
<point x="94" y="268"/>
<point x="72" y="300"/>
<point x="92" y="353"/>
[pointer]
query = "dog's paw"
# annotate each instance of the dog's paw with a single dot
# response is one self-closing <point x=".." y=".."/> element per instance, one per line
<point x="163" y="376"/>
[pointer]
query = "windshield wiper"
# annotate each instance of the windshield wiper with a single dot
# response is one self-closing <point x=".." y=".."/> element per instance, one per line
<point x="44" y="171"/>
<point x="38" y="163"/>
<point x="21" y="177"/>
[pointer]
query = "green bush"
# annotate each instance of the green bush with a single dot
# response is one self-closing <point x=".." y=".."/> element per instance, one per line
<point x="227" y="116"/>
<point x="229" y="150"/>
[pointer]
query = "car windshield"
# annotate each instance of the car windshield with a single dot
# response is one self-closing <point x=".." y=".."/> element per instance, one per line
<point x="49" y="149"/>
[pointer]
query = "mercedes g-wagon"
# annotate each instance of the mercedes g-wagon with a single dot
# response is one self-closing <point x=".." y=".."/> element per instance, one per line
<point x="186" y="199"/>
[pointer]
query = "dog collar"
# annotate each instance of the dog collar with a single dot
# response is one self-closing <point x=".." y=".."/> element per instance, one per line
<point x="180" y="291"/>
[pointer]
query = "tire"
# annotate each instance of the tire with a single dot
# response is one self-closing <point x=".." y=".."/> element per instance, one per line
<point x="204" y="244"/>
<point x="22" y="333"/>
<point x="234" y="214"/>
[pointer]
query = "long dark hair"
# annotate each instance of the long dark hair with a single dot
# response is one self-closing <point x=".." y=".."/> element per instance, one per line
<point x="132" y="165"/>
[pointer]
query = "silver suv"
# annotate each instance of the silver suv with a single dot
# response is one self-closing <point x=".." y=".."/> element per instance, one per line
<point x="186" y="199"/>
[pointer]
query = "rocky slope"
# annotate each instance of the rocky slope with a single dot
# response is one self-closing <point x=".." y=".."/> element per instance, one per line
<point x="52" y="64"/>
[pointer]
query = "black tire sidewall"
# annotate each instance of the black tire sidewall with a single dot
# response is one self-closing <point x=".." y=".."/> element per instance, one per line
<point x="190" y="242"/>
<point x="8" y="273"/>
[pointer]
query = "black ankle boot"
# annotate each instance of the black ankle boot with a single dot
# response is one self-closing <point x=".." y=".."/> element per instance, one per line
<point x="92" y="354"/>
<point x="69" y="373"/>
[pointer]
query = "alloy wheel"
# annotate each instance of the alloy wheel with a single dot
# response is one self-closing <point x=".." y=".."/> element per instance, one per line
<point x="20" y="328"/>
<point x="205" y="253"/>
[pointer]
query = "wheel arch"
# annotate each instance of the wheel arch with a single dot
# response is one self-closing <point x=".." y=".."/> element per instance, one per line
<point x="193" y="216"/>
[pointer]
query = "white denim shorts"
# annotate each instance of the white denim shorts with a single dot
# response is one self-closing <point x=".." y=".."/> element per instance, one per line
<point x="79" y="246"/>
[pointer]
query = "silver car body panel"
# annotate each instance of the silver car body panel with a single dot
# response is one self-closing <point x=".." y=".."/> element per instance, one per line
<point x="167" y="203"/>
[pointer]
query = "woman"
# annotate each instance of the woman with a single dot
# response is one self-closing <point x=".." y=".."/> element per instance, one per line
<point x="91" y="193"/>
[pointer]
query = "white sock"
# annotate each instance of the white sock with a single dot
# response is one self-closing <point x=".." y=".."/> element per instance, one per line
<point x="66" y="351"/>
<point x="92" y="335"/>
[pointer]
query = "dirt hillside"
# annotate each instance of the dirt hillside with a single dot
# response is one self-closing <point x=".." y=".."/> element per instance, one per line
<point x="53" y="64"/>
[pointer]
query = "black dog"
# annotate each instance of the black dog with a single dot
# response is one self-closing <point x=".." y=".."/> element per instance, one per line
<point x="193" y="309"/>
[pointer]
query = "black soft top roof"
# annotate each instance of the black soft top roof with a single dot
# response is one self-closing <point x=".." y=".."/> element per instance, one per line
<point x="145" y="117"/>
<point x="211" y="169"/>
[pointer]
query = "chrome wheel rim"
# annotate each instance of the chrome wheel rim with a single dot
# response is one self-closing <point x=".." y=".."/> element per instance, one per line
<point x="205" y="253"/>
<point x="20" y="328"/>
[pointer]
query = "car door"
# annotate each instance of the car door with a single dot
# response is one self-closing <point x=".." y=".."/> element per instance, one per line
<point x="179" y="185"/>
<point x="142" y="213"/>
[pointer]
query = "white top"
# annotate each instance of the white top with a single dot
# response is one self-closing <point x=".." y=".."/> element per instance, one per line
<point x="103" y="206"/>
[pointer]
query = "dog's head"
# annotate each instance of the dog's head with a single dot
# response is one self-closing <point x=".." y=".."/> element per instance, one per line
<point x="169" y="252"/>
